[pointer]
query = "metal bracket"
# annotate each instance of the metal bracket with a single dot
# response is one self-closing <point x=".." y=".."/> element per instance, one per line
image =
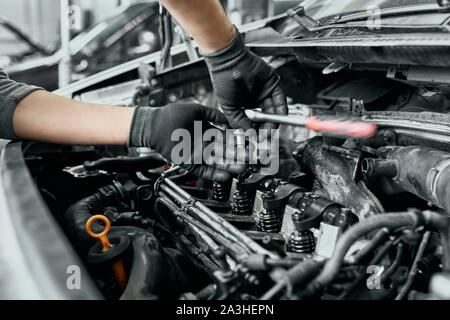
<point x="298" y="14"/>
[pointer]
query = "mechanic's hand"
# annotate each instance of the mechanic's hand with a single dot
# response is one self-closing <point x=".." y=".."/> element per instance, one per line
<point x="241" y="79"/>
<point x="153" y="128"/>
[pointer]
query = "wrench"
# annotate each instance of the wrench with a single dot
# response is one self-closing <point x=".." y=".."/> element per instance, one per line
<point x="336" y="126"/>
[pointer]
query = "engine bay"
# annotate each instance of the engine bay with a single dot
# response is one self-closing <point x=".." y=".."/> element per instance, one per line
<point x="342" y="218"/>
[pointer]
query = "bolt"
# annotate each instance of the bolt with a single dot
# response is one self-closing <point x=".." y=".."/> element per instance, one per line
<point x="172" y="97"/>
<point x="389" y="136"/>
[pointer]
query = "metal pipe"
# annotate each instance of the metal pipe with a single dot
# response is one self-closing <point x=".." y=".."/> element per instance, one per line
<point x="204" y="237"/>
<point x="217" y="227"/>
<point x="206" y="233"/>
<point x="207" y="263"/>
<point x="223" y="224"/>
<point x="208" y="216"/>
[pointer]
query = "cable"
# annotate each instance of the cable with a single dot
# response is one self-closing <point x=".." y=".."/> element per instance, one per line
<point x="395" y="264"/>
<point x="274" y="291"/>
<point x="383" y="251"/>
<point x="296" y="276"/>
<point x="411" y="218"/>
<point x="378" y="238"/>
<point x="412" y="274"/>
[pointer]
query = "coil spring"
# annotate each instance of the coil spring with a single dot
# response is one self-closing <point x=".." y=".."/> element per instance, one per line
<point x="219" y="192"/>
<point x="269" y="221"/>
<point x="302" y="242"/>
<point x="242" y="204"/>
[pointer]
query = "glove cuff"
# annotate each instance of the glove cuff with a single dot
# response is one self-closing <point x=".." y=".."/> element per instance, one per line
<point x="141" y="127"/>
<point x="217" y="60"/>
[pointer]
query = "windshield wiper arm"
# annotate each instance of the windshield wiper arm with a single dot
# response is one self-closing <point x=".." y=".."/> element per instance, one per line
<point x="311" y="25"/>
<point x="298" y="14"/>
<point x="392" y="12"/>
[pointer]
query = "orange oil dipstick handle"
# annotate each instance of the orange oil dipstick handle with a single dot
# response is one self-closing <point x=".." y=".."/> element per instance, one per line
<point x="102" y="236"/>
<point x="118" y="267"/>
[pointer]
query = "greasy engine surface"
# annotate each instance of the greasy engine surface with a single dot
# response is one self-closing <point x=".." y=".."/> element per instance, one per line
<point x="342" y="219"/>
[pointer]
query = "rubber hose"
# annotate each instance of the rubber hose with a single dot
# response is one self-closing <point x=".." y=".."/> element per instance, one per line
<point x="76" y="216"/>
<point x="391" y="221"/>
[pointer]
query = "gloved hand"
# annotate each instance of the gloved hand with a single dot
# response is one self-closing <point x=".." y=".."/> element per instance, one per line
<point x="153" y="128"/>
<point x="241" y="79"/>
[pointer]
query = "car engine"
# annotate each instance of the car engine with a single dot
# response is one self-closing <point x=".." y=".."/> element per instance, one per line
<point x="343" y="218"/>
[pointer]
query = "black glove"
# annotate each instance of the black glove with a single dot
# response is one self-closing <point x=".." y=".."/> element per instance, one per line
<point x="153" y="128"/>
<point x="241" y="79"/>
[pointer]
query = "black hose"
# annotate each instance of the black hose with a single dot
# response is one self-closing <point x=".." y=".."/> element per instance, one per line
<point x="395" y="263"/>
<point x="375" y="261"/>
<point x="274" y="291"/>
<point x="207" y="293"/>
<point x="126" y="164"/>
<point x="296" y="276"/>
<point x="412" y="219"/>
<point x="376" y="167"/>
<point x="79" y="213"/>
<point x="412" y="273"/>
<point x="283" y="263"/>
<point x="154" y="272"/>
<point x="422" y="171"/>
<point x="377" y="239"/>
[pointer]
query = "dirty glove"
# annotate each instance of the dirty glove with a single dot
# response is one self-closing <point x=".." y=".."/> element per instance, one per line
<point x="153" y="128"/>
<point x="241" y="79"/>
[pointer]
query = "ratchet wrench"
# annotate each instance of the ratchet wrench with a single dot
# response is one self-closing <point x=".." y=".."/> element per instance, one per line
<point x="336" y="126"/>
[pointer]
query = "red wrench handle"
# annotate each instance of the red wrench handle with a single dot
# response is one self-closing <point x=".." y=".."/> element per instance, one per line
<point x="344" y="127"/>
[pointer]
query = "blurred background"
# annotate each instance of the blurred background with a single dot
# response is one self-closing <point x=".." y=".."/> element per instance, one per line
<point x="39" y="19"/>
<point x="102" y="34"/>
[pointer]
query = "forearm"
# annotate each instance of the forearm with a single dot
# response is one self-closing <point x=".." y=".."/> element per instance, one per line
<point x="47" y="117"/>
<point x="204" y="20"/>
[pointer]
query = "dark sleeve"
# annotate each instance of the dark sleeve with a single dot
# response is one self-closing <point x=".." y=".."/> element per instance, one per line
<point x="11" y="93"/>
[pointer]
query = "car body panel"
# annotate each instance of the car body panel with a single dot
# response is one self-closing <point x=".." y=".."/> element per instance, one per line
<point x="36" y="258"/>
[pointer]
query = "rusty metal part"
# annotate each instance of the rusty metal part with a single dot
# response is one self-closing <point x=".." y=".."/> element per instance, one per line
<point x="336" y="169"/>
